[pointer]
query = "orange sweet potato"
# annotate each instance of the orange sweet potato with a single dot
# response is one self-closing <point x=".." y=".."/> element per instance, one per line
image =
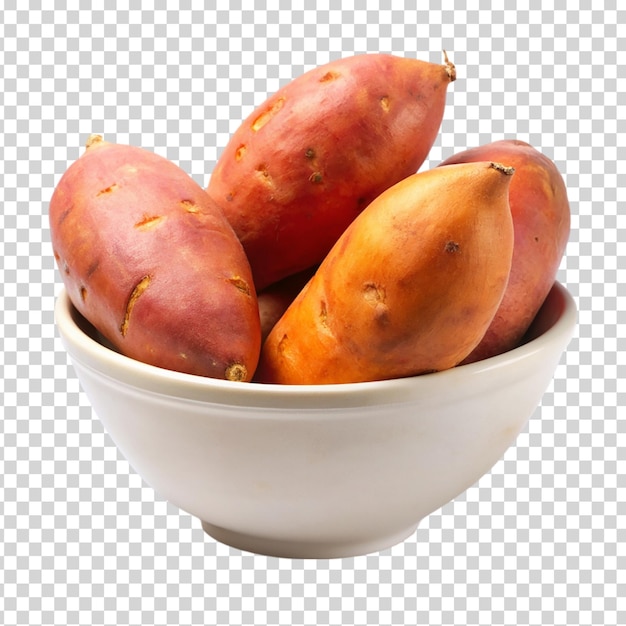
<point x="153" y="264"/>
<point x="409" y="288"/>
<point x="307" y="161"/>
<point x="541" y="222"/>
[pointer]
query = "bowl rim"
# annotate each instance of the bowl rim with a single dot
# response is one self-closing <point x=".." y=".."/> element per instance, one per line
<point x="89" y="353"/>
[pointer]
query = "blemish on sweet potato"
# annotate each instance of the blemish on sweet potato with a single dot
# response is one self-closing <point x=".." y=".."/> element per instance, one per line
<point x="135" y="294"/>
<point x="264" y="175"/>
<point x="384" y="103"/>
<point x="108" y="190"/>
<point x="240" y="152"/>
<point x="316" y="177"/>
<point x="452" y="247"/>
<point x="282" y="344"/>
<point x="309" y="153"/>
<point x="148" y="222"/>
<point x="329" y="76"/>
<point x="240" y="284"/>
<point x="323" y="313"/>
<point x="190" y="206"/>
<point x="373" y="293"/>
<point x="267" y="115"/>
<point x="83" y="293"/>
<point x="64" y="215"/>
<point x="92" y="267"/>
<point x="381" y="314"/>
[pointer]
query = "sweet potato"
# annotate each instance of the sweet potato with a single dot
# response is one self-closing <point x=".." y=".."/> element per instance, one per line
<point x="409" y="288"/>
<point x="153" y="264"/>
<point x="309" y="159"/>
<point x="275" y="299"/>
<point x="541" y="222"/>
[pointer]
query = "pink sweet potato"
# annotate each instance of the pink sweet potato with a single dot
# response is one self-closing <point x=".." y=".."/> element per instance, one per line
<point x="308" y="160"/>
<point x="275" y="299"/>
<point x="153" y="264"/>
<point x="541" y="220"/>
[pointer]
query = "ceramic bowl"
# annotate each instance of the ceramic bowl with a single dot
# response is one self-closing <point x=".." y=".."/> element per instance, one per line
<point x="316" y="471"/>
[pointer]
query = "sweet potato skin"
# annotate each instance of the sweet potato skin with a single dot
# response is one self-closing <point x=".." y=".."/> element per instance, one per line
<point x="541" y="221"/>
<point x="409" y="288"/>
<point x="308" y="160"/>
<point x="275" y="299"/>
<point x="153" y="264"/>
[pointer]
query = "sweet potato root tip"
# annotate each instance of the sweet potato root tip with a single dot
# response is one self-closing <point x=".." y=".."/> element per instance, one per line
<point x="190" y="206"/>
<point x="267" y="115"/>
<point x="136" y="293"/>
<point x="149" y="222"/>
<point x="384" y="103"/>
<point x="450" y="69"/>
<point x="329" y="76"/>
<point x="240" y="284"/>
<point x="507" y="171"/>
<point x="452" y="247"/>
<point x="237" y="372"/>
<point x="240" y="152"/>
<point x="107" y="190"/>
<point x="93" y="140"/>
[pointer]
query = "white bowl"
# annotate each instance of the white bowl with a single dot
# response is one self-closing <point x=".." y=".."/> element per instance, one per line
<point x="316" y="471"/>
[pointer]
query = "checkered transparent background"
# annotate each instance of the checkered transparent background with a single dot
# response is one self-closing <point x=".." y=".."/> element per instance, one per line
<point x="539" y="540"/>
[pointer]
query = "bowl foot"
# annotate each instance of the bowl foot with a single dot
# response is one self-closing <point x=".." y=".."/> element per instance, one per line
<point x="304" y="549"/>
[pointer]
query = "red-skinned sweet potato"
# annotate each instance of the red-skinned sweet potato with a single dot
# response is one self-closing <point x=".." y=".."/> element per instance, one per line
<point x="308" y="160"/>
<point x="275" y="299"/>
<point x="541" y="222"/>
<point x="409" y="288"/>
<point x="153" y="264"/>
